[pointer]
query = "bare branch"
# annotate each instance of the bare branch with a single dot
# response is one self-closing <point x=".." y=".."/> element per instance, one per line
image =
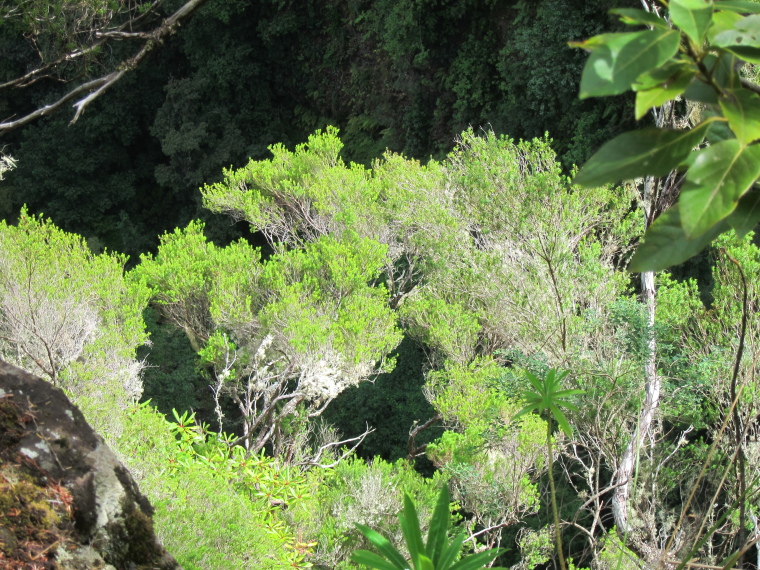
<point x="119" y="35"/>
<point x="107" y="81"/>
<point x="97" y="87"/>
<point x="415" y="451"/>
<point x="314" y="461"/>
<point x="36" y="74"/>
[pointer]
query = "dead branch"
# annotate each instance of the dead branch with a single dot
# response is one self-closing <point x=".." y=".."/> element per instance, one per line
<point x="415" y="451"/>
<point x="314" y="461"/>
<point x="96" y="87"/>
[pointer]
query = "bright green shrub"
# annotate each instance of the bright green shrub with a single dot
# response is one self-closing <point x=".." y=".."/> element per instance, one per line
<point x="210" y="512"/>
<point x="357" y="491"/>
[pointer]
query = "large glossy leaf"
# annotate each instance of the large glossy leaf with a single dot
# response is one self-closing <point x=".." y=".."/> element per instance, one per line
<point x="613" y="66"/>
<point x="722" y="21"/>
<point x="746" y="216"/>
<point x="373" y="560"/>
<point x="669" y="89"/>
<point x="635" y="16"/>
<point x="692" y="16"/>
<point x="719" y="131"/>
<point x="740" y="6"/>
<point x="666" y="244"/>
<point x="719" y="175"/>
<point x="663" y="75"/>
<point x="647" y="152"/>
<point x="439" y="526"/>
<point x="384" y="546"/>
<point x="745" y="32"/>
<point x="742" y="109"/>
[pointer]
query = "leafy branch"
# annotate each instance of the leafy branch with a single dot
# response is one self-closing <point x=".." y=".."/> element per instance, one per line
<point x="696" y="55"/>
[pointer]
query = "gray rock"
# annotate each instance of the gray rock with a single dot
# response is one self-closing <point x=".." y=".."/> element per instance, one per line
<point x="102" y="521"/>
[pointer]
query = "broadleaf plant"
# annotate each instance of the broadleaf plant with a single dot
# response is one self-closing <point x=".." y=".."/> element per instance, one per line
<point x="696" y="53"/>
<point x="435" y="554"/>
<point x="547" y="398"/>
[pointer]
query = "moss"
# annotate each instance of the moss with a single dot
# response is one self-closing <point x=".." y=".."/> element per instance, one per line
<point x="135" y="535"/>
<point x="25" y="509"/>
<point x="35" y="512"/>
<point x="10" y="433"/>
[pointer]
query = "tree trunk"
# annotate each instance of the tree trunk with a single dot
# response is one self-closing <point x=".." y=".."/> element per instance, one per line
<point x="626" y="466"/>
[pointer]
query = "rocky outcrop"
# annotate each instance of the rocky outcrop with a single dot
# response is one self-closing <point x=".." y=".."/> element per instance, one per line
<point x="65" y="500"/>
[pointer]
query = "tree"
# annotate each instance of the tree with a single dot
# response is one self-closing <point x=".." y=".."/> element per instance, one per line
<point x="67" y="314"/>
<point x="699" y="59"/>
<point x="546" y="399"/>
<point x="491" y="260"/>
<point x="285" y="335"/>
<point x="70" y="38"/>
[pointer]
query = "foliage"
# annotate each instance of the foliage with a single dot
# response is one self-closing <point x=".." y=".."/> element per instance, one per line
<point x="358" y="491"/>
<point x="436" y="553"/>
<point x="493" y="466"/>
<point x="209" y="513"/>
<point x="404" y="76"/>
<point x="547" y="399"/>
<point x="309" y="325"/>
<point x="698" y="59"/>
<point x="528" y="232"/>
<point x="68" y="314"/>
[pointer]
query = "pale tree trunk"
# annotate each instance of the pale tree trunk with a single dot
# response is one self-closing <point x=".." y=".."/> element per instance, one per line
<point x="624" y="473"/>
<point x="653" y="200"/>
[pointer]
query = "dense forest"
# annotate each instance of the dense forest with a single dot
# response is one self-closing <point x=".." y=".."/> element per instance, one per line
<point x="326" y="269"/>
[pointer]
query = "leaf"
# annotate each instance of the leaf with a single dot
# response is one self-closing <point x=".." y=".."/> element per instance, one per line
<point x="646" y="152"/>
<point x="565" y="393"/>
<point x="526" y="410"/>
<point x="742" y="109"/>
<point x="534" y="380"/>
<point x="722" y="21"/>
<point x="439" y="526"/>
<point x="745" y="32"/>
<point x="450" y="553"/>
<point x="384" y="546"/>
<point x="663" y="75"/>
<point x="741" y="6"/>
<point x="410" y="526"/>
<point x="720" y="131"/>
<point x="666" y="244"/>
<point x="747" y="53"/>
<point x="718" y="177"/>
<point x="746" y="216"/>
<point x="692" y="16"/>
<point x="424" y="563"/>
<point x="561" y="420"/>
<point x="373" y="560"/>
<point x="632" y="16"/>
<point x="614" y="66"/>
<point x="476" y="561"/>
<point x="656" y="96"/>
<point x="594" y="42"/>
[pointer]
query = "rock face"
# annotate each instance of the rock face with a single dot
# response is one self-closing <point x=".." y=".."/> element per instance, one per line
<point x="66" y="502"/>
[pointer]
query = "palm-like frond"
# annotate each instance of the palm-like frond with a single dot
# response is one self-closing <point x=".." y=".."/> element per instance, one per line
<point x="548" y="398"/>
